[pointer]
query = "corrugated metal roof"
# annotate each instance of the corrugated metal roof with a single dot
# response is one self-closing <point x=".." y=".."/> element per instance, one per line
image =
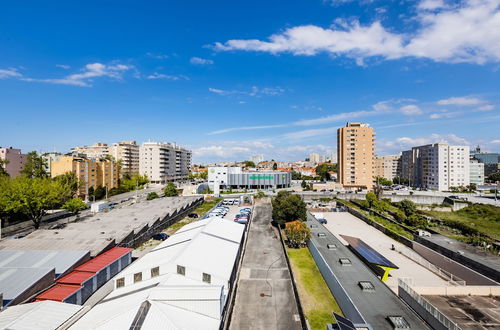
<point x="76" y="277"/>
<point x="62" y="261"/>
<point x="103" y="260"/>
<point x="225" y="229"/>
<point x="37" y="315"/>
<point x="58" y="292"/>
<point x="15" y="281"/>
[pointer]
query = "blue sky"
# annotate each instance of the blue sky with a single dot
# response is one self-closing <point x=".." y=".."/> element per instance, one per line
<point x="229" y="79"/>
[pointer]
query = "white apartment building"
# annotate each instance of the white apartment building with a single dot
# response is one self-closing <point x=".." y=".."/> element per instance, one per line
<point x="439" y="166"/>
<point x="221" y="174"/>
<point x="257" y="159"/>
<point x="476" y="172"/>
<point x="95" y="151"/>
<point x="127" y="152"/>
<point x="163" y="162"/>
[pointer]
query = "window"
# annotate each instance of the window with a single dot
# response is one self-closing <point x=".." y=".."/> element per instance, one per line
<point x="137" y="277"/>
<point x="181" y="270"/>
<point x="120" y="282"/>
<point x="155" y="271"/>
<point x="207" y="278"/>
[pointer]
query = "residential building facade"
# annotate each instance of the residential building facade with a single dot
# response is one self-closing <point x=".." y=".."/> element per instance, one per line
<point x="317" y="158"/>
<point x="388" y="167"/>
<point x="163" y="162"/>
<point x="437" y="166"/>
<point x="355" y="152"/>
<point x="50" y="157"/>
<point x="97" y="150"/>
<point x="89" y="172"/>
<point x="476" y="172"/>
<point x="127" y="153"/>
<point x="15" y="161"/>
<point x="490" y="160"/>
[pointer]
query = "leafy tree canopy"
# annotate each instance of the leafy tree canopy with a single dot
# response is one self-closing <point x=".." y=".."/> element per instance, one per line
<point x="494" y="177"/>
<point x="35" y="166"/>
<point x="74" y="205"/>
<point x="323" y="169"/>
<point x="3" y="164"/>
<point x="288" y="207"/>
<point x="170" y="190"/>
<point x="249" y="163"/>
<point x="152" y="195"/>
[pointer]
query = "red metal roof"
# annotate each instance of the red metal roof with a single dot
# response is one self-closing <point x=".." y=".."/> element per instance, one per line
<point x="58" y="292"/>
<point x="103" y="260"/>
<point x="76" y="278"/>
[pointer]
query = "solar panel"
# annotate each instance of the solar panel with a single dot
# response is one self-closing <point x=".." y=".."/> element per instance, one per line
<point x="368" y="253"/>
<point x="343" y="323"/>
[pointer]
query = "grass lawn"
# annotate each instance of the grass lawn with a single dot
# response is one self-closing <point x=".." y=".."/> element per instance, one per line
<point x="315" y="296"/>
<point x="484" y="218"/>
<point x="200" y="210"/>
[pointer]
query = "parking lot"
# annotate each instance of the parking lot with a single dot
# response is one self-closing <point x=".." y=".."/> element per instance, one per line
<point x="344" y="223"/>
<point x="233" y="211"/>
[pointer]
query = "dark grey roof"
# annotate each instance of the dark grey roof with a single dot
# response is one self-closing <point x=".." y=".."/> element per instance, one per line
<point x="375" y="306"/>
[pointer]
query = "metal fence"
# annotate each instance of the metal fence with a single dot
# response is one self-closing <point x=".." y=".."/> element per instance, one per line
<point x="452" y="279"/>
<point x="404" y="285"/>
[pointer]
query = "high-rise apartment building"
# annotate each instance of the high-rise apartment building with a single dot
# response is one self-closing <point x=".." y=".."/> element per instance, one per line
<point x="476" y="171"/>
<point x="490" y="160"/>
<point x="89" y="172"/>
<point x="355" y="152"/>
<point x="127" y="153"/>
<point x="388" y="167"/>
<point x="317" y="158"/>
<point x="163" y="162"/>
<point x="257" y="159"/>
<point x="437" y="166"/>
<point x="15" y="161"/>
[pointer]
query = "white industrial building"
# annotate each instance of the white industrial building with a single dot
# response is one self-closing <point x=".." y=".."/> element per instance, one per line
<point x="163" y="162"/>
<point x="437" y="166"/>
<point x="236" y="178"/>
<point x="181" y="284"/>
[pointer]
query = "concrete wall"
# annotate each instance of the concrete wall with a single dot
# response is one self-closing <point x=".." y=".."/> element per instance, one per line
<point x="490" y="273"/>
<point x="472" y="290"/>
<point x="417" y="199"/>
<point x="421" y="311"/>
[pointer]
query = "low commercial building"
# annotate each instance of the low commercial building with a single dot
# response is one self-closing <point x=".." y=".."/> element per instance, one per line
<point x="89" y="172"/>
<point x="15" y="161"/>
<point x="163" y="162"/>
<point x="236" y="178"/>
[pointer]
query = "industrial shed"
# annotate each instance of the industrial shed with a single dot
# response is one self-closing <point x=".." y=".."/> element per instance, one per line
<point x="38" y="315"/>
<point x="19" y="284"/>
<point x="154" y="290"/>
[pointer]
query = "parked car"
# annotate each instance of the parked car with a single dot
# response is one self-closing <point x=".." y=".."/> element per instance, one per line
<point x="160" y="236"/>
<point x="241" y="220"/>
<point x="193" y="215"/>
<point x="323" y="221"/>
<point x="57" y="226"/>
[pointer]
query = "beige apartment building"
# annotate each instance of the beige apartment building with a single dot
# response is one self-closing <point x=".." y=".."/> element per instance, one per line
<point x="127" y="153"/>
<point x="89" y="172"/>
<point x="355" y="154"/>
<point x="163" y="162"/>
<point x="388" y="167"/>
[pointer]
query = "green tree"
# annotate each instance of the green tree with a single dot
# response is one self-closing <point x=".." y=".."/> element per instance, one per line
<point x="100" y="192"/>
<point x="494" y="177"/>
<point x="275" y="166"/>
<point x="3" y="165"/>
<point x="407" y="206"/>
<point x="260" y="194"/>
<point x="203" y="175"/>
<point x="297" y="233"/>
<point x="382" y="181"/>
<point x="303" y="184"/>
<point x="70" y="181"/>
<point x="323" y="169"/>
<point x="288" y="207"/>
<point x="399" y="180"/>
<point x="170" y="190"/>
<point x="35" y="166"/>
<point x="296" y="175"/>
<point x="152" y="195"/>
<point x="74" y="206"/>
<point x="32" y="196"/>
<point x="249" y="163"/>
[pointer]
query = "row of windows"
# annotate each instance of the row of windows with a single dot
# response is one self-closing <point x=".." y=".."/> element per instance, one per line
<point x="207" y="278"/>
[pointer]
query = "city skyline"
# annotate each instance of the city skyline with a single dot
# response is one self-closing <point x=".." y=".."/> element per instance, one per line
<point x="249" y="79"/>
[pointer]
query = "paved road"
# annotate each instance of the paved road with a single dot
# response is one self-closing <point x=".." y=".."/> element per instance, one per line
<point x="264" y="271"/>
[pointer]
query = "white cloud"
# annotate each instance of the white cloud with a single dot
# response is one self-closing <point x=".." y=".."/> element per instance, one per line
<point x="410" y="110"/>
<point x="87" y="75"/>
<point x="244" y="128"/>
<point x="254" y="91"/>
<point x="9" y="73"/>
<point x="444" y="114"/>
<point x="310" y="133"/>
<point x="200" y="61"/>
<point x="63" y="66"/>
<point x="157" y="56"/>
<point x="431" y="4"/>
<point x="469" y="32"/>
<point x="495" y="141"/>
<point x="487" y="107"/>
<point x="462" y="101"/>
<point x="405" y="143"/>
<point x="157" y="75"/>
